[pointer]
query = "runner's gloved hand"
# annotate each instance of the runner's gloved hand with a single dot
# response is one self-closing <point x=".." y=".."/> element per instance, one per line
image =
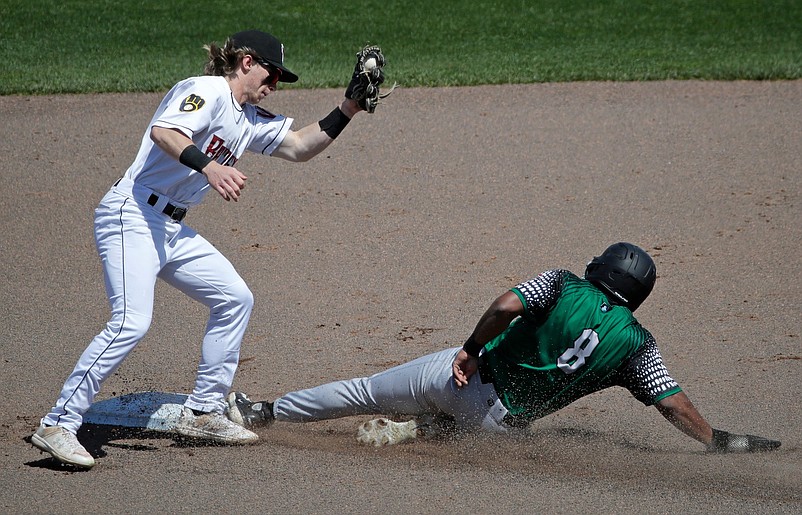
<point x="728" y="442"/>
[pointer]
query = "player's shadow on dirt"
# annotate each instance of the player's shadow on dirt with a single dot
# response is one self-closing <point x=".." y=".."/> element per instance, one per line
<point x="96" y="437"/>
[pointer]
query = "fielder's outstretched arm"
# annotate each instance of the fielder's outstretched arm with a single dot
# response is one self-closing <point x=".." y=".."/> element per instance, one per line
<point x="362" y="94"/>
<point x="309" y="141"/>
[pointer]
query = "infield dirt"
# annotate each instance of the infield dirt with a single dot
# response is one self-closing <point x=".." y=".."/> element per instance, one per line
<point x="390" y="245"/>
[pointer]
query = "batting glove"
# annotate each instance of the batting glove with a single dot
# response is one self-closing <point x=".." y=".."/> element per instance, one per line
<point x="728" y="442"/>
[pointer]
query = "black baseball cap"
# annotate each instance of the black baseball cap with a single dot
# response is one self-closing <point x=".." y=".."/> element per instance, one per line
<point x="270" y="50"/>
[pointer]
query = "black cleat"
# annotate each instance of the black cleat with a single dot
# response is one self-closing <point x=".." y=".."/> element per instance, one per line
<point x="243" y="411"/>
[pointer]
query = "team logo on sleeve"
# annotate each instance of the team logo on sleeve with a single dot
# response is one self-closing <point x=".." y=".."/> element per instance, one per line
<point x="192" y="103"/>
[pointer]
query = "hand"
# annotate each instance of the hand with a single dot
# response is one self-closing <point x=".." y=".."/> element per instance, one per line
<point x="463" y="368"/>
<point x="226" y="180"/>
<point x="728" y="442"/>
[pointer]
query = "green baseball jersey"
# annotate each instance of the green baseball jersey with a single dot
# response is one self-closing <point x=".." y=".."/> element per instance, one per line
<point x="571" y="342"/>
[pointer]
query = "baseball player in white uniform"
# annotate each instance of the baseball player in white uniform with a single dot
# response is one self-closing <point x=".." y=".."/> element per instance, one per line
<point x="192" y="144"/>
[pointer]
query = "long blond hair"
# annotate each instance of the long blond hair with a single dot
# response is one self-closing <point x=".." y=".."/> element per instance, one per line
<point x="223" y="61"/>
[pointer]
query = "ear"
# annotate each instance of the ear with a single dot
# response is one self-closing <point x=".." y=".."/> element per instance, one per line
<point x="248" y="62"/>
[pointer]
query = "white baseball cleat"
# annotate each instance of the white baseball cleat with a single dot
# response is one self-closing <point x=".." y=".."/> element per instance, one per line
<point x="214" y="427"/>
<point x="383" y="431"/>
<point x="62" y="445"/>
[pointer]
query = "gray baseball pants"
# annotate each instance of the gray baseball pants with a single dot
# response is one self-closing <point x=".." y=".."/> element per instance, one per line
<point x="420" y="387"/>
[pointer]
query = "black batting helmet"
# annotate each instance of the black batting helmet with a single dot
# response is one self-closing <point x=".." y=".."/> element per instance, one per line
<point x="625" y="272"/>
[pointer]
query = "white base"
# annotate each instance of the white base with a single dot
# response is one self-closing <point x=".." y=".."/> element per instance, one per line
<point x="158" y="411"/>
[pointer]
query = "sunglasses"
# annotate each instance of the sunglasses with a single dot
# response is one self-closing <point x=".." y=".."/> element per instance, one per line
<point x="275" y="73"/>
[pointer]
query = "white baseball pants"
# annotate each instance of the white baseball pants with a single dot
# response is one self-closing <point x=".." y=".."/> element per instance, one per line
<point x="422" y="386"/>
<point x="137" y="244"/>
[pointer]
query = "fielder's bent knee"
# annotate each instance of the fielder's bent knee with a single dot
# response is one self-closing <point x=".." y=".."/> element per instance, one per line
<point x="237" y="298"/>
<point x="130" y="327"/>
<point x="243" y="296"/>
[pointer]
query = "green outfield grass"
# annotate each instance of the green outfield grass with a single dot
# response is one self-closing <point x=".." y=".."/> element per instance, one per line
<point x="84" y="46"/>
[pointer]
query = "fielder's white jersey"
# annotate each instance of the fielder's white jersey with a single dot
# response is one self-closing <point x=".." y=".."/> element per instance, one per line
<point x="204" y="109"/>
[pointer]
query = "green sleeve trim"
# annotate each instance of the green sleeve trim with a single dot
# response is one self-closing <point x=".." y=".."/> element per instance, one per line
<point x="667" y="393"/>
<point x="520" y="296"/>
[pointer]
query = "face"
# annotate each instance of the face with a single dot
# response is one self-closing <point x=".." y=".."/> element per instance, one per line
<point x="263" y="79"/>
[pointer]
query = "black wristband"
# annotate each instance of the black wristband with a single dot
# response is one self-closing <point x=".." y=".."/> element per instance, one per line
<point x="334" y="123"/>
<point x="720" y="442"/>
<point x="472" y="347"/>
<point x="194" y="158"/>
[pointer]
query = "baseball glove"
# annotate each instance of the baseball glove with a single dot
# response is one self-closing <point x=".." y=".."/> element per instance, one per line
<point x="367" y="77"/>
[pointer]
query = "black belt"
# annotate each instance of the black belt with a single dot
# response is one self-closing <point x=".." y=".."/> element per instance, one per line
<point x="174" y="212"/>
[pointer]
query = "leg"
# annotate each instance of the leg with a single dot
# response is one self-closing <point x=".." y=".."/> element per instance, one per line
<point x="130" y="261"/>
<point x="401" y="390"/>
<point x="130" y="264"/>
<point x="204" y="274"/>
<point x="422" y="386"/>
